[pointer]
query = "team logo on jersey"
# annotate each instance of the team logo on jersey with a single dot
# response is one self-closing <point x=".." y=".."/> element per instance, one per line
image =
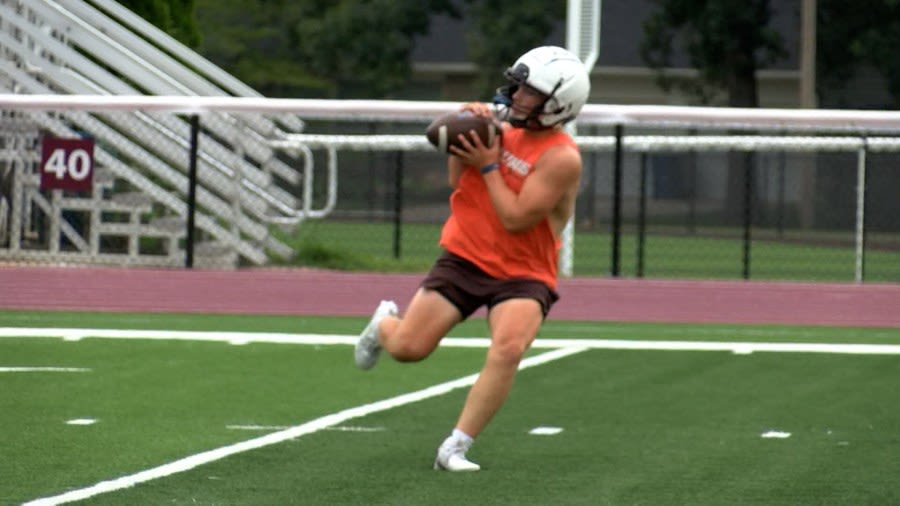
<point x="516" y="164"/>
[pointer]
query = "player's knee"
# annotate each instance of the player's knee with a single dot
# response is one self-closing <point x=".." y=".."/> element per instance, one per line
<point x="409" y="352"/>
<point x="405" y="348"/>
<point x="508" y="350"/>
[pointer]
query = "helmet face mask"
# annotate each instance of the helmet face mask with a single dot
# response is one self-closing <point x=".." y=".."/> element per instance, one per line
<point x="557" y="75"/>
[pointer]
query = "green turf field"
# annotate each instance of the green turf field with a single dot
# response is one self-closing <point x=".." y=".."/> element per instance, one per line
<point x="192" y="421"/>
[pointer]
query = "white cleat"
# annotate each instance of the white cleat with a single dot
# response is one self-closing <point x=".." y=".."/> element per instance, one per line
<point x="368" y="347"/>
<point x="451" y="456"/>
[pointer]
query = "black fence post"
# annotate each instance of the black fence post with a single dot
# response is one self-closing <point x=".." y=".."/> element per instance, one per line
<point x="373" y="178"/>
<point x="642" y="216"/>
<point x="617" y="203"/>
<point x="692" y="189"/>
<point x="192" y="193"/>
<point x="591" y="204"/>
<point x="748" y="212"/>
<point x="779" y="223"/>
<point x="398" y="203"/>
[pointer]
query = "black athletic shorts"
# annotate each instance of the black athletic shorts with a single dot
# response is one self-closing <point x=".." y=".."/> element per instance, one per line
<point x="467" y="287"/>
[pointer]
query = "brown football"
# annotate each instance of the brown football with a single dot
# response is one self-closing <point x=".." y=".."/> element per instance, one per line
<point x="444" y="131"/>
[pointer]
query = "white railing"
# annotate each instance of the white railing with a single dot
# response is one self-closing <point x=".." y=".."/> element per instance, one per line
<point x="412" y="111"/>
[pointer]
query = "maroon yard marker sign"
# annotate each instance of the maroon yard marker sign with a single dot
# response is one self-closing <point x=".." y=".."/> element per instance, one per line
<point x="67" y="164"/>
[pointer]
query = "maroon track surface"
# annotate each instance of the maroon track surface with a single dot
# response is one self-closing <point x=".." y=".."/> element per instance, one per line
<point x="317" y="292"/>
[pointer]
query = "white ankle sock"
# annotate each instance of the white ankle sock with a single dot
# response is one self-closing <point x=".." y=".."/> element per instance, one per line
<point x="459" y="435"/>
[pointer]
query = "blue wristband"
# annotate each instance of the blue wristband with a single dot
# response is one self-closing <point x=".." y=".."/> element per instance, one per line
<point x="489" y="167"/>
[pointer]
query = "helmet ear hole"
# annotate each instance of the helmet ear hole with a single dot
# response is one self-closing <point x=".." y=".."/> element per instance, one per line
<point x="553" y="106"/>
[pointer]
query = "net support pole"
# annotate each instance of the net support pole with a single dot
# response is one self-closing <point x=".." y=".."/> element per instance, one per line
<point x="859" y="271"/>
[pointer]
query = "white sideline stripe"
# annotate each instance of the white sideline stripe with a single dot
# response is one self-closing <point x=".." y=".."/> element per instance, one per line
<point x="316" y="425"/>
<point x="71" y="334"/>
<point x="43" y="369"/>
<point x="734" y="347"/>
<point x="75" y="334"/>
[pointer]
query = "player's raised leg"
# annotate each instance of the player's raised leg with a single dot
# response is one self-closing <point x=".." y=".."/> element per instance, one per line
<point x="412" y="338"/>
<point x="368" y="347"/>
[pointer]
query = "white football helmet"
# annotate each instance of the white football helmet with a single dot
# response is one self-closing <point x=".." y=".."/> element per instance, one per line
<point x="556" y="73"/>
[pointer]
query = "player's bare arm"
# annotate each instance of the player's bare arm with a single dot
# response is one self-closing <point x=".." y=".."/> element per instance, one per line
<point x="548" y="193"/>
<point x="454" y="170"/>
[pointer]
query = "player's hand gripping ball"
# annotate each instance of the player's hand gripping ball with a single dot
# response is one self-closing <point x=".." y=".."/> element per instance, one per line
<point x="444" y="131"/>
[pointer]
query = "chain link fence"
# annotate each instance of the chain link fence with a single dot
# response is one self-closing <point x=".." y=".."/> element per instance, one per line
<point x="760" y="213"/>
<point x="372" y="194"/>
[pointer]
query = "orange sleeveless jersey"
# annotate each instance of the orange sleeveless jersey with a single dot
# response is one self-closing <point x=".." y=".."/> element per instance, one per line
<point x="474" y="232"/>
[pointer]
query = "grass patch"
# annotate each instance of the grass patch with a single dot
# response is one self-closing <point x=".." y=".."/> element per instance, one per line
<point x="710" y="254"/>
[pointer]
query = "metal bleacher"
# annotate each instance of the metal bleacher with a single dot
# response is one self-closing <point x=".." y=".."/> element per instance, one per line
<point x="136" y="212"/>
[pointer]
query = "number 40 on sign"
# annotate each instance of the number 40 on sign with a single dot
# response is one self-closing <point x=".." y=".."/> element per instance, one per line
<point x="67" y="164"/>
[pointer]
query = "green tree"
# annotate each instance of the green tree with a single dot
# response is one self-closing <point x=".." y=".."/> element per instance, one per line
<point x="852" y="34"/>
<point x="175" y="17"/>
<point x="364" y="42"/>
<point x="360" y="48"/>
<point x="252" y="39"/>
<point x="727" y="41"/>
<point x="505" y="29"/>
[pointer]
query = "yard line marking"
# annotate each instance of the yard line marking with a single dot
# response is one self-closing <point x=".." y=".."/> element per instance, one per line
<point x="741" y="348"/>
<point x="545" y="431"/>
<point x="257" y="427"/>
<point x="283" y="427"/>
<point x="44" y="369"/>
<point x="345" y="428"/>
<point x="316" y="425"/>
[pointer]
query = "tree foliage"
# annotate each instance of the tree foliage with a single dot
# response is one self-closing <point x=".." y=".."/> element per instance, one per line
<point x="360" y="48"/>
<point x="252" y="39"/>
<point x="369" y="42"/>
<point x="364" y="41"/>
<point x="727" y="41"/>
<point x="175" y="17"/>
<point x="503" y="31"/>
<point x="852" y="34"/>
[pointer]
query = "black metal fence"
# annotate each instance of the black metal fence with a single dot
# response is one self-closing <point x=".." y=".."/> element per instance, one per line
<point x="765" y="214"/>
